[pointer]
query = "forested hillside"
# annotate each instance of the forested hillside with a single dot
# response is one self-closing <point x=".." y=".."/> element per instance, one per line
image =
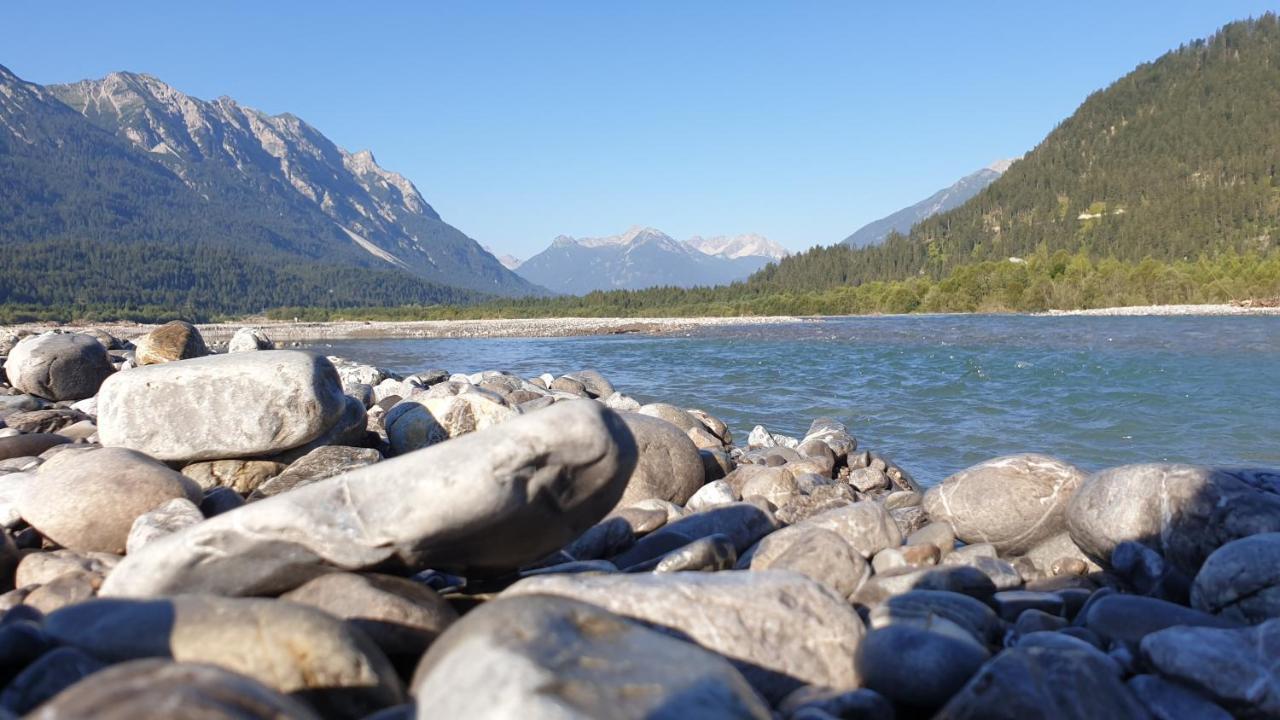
<point x="1175" y="160"/>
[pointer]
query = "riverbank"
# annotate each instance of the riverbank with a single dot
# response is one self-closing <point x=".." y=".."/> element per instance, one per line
<point x="288" y="332"/>
<point x="1168" y="310"/>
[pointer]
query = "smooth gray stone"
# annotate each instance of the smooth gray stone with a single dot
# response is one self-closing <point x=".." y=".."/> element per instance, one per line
<point x="1183" y="512"/>
<point x="1010" y="604"/>
<point x="52" y="673"/>
<point x="707" y="554"/>
<point x="29" y="445"/>
<point x="672" y="414"/>
<point x="152" y="689"/>
<point x="485" y="503"/>
<point x="166" y="519"/>
<point x="88" y="500"/>
<point x="1131" y="617"/>
<point x="1171" y="701"/>
<point x="291" y="648"/>
<point x="1140" y="566"/>
<point x="596" y="384"/>
<point x="1012" y="502"/>
<point x="221" y="406"/>
<point x="866" y="526"/>
<point x="743" y="523"/>
<point x="61" y="366"/>
<point x="834" y="434"/>
<point x="402" y="617"/>
<point x="248" y="339"/>
<point x="938" y="534"/>
<point x="917" y="667"/>
<point x="713" y="494"/>
<point x="604" y="539"/>
<point x="527" y="657"/>
<point x="964" y="580"/>
<point x="821" y="703"/>
<point x="1069" y="639"/>
<point x="1236" y="668"/>
<point x="779" y="628"/>
<point x="823" y="556"/>
<point x="670" y="467"/>
<point x="1033" y="620"/>
<point x="430" y="419"/>
<point x="1056" y="550"/>
<point x="319" y="464"/>
<point x="1240" y="581"/>
<point x="921" y="606"/>
<point x="1047" y="684"/>
<point x="350" y="429"/>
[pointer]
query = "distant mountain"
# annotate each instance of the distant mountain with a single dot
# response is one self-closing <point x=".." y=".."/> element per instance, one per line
<point x="945" y="199"/>
<point x="738" y="246"/>
<point x="1177" y="159"/>
<point x="510" y="262"/>
<point x="126" y="192"/>
<point x="643" y="257"/>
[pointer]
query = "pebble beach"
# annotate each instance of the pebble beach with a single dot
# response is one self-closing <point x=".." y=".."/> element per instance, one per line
<point x="269" y="533"/>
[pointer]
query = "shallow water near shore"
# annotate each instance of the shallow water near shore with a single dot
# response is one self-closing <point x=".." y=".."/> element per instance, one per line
<point x="937" y="393"/>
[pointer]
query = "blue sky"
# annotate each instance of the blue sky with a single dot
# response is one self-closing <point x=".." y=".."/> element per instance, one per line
<point x="520" y="121"/>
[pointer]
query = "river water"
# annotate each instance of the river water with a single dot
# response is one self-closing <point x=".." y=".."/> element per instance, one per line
<point x="937" y="393"/>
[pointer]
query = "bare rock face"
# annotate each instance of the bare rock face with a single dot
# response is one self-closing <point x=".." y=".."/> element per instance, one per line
<point x="1183" y="512"/>
<point x="525" y="656"/>
<point x="291" y="648"/>
<point x="485" y="503"/>
<point x="59" y="366"/>
<point x="780" y="628"/>
<point x="222" y="406"/>
<point x="670" y="467"/>
<point x="150" y="689"/>
<point x="1012" y="502"/>
<point x="1240" y="581"/>
<point x="87" y="501"/>
<point x="176" y="340"/>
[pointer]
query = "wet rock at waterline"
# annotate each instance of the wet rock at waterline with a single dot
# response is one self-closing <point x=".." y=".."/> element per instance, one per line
<point x="222" y="406"/>
<point x="485" y="503"/>
<point x="1012" y="502"/>
<point x="1183" y="512"/>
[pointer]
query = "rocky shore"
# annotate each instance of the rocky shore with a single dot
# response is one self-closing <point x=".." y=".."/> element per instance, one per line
<point x="219" y="334"/>
<point x="264" y="533"/>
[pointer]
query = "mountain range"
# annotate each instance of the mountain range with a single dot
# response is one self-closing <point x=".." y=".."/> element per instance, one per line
<point x="643" y="257"/>
<point x="212" y="205"/>
<point x="948" y="198"/>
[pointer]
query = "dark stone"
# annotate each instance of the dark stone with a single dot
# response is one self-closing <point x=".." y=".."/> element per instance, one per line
<point x="1012" y="603"/>
<point x="743" y="523"/>
<point x="1171" y="701"/>
<point x="1241" y="580"/>
<point x="916" y="667"/>
<point x="1236" y="668"/>
<point x="1046" y="684"/>
<point x="30" y="445"/>
<point x="54" y="672"/>
<point x="922" y="605"/>
<point x="220" y="500"/>
<point x="1131" y="617"/>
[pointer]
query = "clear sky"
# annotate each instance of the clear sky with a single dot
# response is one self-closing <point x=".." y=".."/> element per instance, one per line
<point x="520" y="121"/>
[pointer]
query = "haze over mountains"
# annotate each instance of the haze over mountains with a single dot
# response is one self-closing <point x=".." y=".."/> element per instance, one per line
<point x="644" y="257"/>
<point x="945" y="199"/>
<point x="106" y="170"/>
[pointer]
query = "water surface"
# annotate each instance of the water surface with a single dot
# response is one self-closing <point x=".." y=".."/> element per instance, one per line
<point x="938" y="393"/>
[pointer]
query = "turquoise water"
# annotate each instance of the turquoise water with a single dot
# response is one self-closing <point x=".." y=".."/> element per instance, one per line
<point x="939" y="393"/>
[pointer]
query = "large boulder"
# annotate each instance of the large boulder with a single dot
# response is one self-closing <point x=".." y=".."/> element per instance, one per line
<point x="527" y="657"/>
<point x="176" y="340"/>
<point x="152" y="689"/>
<point x="249" y="338"/>
<point x="1183" y="512"/>
<point x="1012" y="502"/>
<point x="1047" y="683"/>
<point x="670" y="467"/>
<point x="222" y="406"/>
<point x="485" y="503"/>
<point x="291" y="648"/>
<point x="1240" y="581"/>
<point x="87" y="501"/>
<point x="780" y="628"/>
<point x="1237" y="668"/>
<point x="58" y="366"/>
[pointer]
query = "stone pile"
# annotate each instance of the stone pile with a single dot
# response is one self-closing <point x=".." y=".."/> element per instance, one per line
<point x="275" y="534"/>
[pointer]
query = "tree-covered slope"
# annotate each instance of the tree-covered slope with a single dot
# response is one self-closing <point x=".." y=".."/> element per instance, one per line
<point x="1175" y="160"/>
